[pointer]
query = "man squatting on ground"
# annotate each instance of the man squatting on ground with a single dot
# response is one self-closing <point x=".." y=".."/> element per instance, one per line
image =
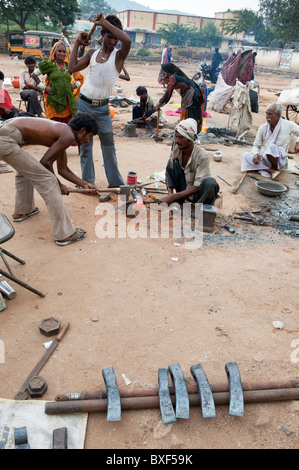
<point x="106" y="65"/>
<point x="144" y="111"/>
<point x="275" y="136"/>
<point x="188" y="169"/>
<point x="31" y="174"/>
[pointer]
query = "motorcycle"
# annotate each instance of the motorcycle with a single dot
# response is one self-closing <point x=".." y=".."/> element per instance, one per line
<point x="205" y="71"/>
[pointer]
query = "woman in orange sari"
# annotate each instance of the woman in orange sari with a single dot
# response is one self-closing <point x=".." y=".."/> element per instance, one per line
<point x="61" y="88"/>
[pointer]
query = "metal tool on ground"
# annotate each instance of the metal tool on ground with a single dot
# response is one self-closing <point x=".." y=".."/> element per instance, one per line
<point x="228" y="228"/>
<point x="21" y="439"/>
<point x="91" y="192"/>
<point x="252" y="220"/>
<point x="60" y="438"/>
<point x="220" y="177"/>
<point x="240" y="182"/>
<point x="23" y="392"/>
<point x="137" y="198"/>
<point x="104" y="197"/>
<point x="113" y="398"/>
<point x="254" y="177"/>
<point x="151" y="402"/>
<point x="205" y="392"/>
<point x="192" y="390"/>
<point x="6" y="289"/>
<point x="37" y="386"/>
<point x="165" y="403"/>
<point x="180" y="389"/>
<point x="236" y="398"/>
<point x="50" y="326"/>
<point x="7" y="231"/>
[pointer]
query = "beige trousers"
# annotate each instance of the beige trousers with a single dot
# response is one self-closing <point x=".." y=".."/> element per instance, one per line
<point x="32" y="174"/>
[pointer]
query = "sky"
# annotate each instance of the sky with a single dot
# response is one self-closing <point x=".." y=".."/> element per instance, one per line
<point x="199" y="8"/>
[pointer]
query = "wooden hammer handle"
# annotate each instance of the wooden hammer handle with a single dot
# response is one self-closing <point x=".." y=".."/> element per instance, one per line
<point x="91" y="32"/>
<point x="62" y="332"/>
<point x="240" y="182"/>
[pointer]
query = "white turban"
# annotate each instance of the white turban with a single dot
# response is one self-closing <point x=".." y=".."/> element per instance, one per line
<point x="187" y="128"/>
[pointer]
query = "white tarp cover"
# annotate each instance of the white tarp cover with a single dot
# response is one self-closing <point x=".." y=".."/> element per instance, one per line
<point x="219" y="98"/>
<point x="240" y="114"/>
<point x="40" y="427"/>
<point x="289" y="97"/>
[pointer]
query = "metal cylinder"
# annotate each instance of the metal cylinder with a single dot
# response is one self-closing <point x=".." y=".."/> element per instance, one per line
<point x="192" y="389"/>
<point x="135" y="403"/>
<point x="7" y="290"/>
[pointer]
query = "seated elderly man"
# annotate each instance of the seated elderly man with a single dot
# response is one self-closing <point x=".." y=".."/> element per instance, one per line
<point x="144" y="111"/>
<point x="275" y="136"/>
<point x="188" y="169"/>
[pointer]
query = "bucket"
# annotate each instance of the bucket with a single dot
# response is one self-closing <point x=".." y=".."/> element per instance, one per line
<point x="132" y="178"/>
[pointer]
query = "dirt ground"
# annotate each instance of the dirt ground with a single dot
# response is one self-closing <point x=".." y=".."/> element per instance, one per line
<point x="130" y="306"/>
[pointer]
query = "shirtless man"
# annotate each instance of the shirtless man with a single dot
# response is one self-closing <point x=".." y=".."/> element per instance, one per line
<point x="32" y="174"/>
<point x="105" y="66"/>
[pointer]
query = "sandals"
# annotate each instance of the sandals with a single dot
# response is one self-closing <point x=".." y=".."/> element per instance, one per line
<point x="25" y="216"/>
<point x="76" y="237"/>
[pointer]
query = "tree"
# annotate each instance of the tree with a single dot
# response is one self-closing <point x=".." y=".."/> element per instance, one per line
<point x="243" y="22"/>
<point x="283" y="17"/>
<point x="93" y="7"/>
<point x="19" y="11"/>
<point x="209" y="35"/>
<point x="262" y="33"/>
<point x="179" y="35"/>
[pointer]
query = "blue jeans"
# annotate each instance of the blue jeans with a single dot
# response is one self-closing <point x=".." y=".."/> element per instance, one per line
<point x="102" y="115"/>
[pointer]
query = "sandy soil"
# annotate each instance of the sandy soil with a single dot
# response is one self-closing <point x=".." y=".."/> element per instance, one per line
<point x="131" y="307"/>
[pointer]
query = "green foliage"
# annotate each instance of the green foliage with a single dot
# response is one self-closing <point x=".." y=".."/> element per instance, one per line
<point x="262" y="33"/>
<point x="179" y="35"/>
<point x="282" y="16"/>
<point x="19" y="12"/>
<point x="243" y="22"/>
<point x="93" y="7"/>
<point x="209" y="35"/>
<point x="143" y="52"/>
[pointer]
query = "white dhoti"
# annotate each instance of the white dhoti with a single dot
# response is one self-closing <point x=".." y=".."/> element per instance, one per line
<point x="264" y="164"/>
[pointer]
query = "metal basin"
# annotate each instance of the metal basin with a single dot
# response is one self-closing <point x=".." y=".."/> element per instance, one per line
<point x="270" y="188"/>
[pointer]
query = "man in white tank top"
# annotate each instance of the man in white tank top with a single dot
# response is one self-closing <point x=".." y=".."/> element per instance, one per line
<point x="105" y="65"/>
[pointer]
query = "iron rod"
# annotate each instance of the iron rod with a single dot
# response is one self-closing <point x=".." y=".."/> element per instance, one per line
<point x="137" y="403"/>
<point x="154" y="391"/>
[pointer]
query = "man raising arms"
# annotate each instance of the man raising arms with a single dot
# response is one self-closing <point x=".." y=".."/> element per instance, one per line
<point x="105" y="65"/>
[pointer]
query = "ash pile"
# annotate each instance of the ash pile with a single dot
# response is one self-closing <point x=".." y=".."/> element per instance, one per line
<point x="222" y="135"/>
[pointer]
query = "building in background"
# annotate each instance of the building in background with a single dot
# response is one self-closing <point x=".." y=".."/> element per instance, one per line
<point x="143" y="26"/>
